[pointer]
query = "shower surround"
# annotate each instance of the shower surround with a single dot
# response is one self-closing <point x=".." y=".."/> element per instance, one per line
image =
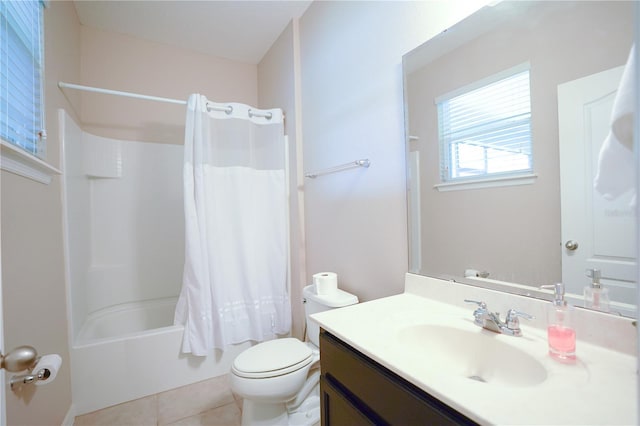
<point x="124" y="249"/>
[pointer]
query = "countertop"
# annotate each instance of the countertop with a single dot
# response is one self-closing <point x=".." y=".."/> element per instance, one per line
<point x="599" y="388"/>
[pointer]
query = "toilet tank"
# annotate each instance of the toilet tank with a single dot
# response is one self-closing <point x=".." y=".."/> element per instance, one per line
<point x="314" y="303"/>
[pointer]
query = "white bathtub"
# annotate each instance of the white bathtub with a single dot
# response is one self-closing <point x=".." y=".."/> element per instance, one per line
<point x="127" y="319"/>
<point x="116" y="358"/>
<point x="124" y="257"/>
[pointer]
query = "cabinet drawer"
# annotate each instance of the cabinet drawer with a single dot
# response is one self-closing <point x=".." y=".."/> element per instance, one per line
<point x="392" y="398"/>
<point x="340" y="409"/>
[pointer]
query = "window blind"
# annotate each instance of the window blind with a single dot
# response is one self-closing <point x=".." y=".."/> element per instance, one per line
<point x="486" y="131"/>
<point x="21" y="67"/>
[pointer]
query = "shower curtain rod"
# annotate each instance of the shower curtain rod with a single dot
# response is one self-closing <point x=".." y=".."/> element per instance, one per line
<point x="228" y="109"/>
<point x="63" y="85"/>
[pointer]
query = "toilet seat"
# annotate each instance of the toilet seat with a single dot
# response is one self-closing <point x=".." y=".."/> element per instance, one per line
<point x="273" y="358"/>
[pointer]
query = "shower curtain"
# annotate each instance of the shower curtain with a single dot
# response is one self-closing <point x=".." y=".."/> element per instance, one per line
<point x="236" y="254"/>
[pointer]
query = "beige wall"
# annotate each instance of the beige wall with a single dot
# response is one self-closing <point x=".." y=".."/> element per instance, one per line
<point x="33" y="263"/>
<point x="512" y="232"/>
<point x="278" y="80"/>
<point x="140" y="66"/>
<point x="351" y="56"/>
<point x="32" y="255"/>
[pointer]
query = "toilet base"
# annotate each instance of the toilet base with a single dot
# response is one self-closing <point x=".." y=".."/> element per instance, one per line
<point x="308" y="414"/>
<point x="265" y="414"/>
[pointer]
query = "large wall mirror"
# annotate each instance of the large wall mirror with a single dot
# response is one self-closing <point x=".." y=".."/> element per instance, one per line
<point x="548" y="222"/>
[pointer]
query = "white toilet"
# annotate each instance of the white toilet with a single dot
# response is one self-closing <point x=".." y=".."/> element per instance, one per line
<point x="274" y="377"/>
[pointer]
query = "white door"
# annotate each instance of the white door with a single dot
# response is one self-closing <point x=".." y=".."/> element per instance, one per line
<point x="596" y="233"/>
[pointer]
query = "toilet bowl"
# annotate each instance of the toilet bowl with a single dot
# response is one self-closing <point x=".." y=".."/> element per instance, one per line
<point x="279" y="379"/>
<point x="273" y="371"/>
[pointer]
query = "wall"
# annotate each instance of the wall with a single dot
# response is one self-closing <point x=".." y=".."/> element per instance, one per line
<point x="137" y="225"/>
<point x="125" y="221"/>
<point x="32" y="255"/>
<point x="351" y="86"/>
<point x="490" y="236"/>
<point x="278" y="81"/>
<point x="140" y="66"/>
<point x="76" y="206"/>
<point x="33" y="262"/>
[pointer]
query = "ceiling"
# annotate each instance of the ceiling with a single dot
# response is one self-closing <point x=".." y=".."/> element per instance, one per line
<point x="240" y="30"/>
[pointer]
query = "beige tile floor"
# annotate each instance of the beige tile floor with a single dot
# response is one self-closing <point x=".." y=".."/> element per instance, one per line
<point x="210" y="402"/>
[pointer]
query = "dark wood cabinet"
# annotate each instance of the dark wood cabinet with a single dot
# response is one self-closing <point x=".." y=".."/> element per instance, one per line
<point x="355" y="390"/>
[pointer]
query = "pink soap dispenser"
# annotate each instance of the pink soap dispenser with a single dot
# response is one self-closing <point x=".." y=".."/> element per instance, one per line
<point x="560" y="331"/>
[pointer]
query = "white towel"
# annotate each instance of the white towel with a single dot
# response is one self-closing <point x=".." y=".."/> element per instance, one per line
<point x="624" y="104"/>
<point x="616" y="171"/>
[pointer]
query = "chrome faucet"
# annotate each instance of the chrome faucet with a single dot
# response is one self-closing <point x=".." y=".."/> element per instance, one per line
<point x="491" y="320"/>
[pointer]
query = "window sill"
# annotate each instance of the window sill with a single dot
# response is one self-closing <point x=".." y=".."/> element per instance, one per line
<point x="21" y="163"/>
<point x="487" y="183"/>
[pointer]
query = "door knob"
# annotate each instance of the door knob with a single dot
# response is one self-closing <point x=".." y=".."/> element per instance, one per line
<point x="19" y="359"/>
<point x="571" y="245"/>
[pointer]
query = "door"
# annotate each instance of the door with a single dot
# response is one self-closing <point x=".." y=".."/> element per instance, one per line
<point x="3" y="405"/>
<point x="596" y="233"/>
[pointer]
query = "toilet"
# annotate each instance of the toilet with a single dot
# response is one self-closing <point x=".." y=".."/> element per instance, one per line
<point x="279" y="379"/>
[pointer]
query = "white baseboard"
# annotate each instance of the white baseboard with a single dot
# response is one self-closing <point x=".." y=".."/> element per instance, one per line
<point x="70" y="417"/>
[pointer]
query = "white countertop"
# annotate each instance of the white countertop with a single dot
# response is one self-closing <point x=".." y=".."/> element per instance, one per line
<point x="600" y="388"/>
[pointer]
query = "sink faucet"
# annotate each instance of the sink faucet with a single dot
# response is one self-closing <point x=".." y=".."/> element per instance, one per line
<point x="491" y="320"/>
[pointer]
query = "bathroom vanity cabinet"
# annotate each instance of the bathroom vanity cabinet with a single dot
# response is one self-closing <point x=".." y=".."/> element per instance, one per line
<point x="355" y="390"/>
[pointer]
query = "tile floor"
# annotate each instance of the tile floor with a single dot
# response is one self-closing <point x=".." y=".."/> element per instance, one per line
<point x="209" y="402"/>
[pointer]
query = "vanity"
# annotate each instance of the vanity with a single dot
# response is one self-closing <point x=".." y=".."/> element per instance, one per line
<point x="357" y="390"/>
<point x="418" y="358"/>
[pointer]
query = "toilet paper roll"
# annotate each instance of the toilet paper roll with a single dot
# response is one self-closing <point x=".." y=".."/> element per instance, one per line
<point x="325" y="282"/>
<point x="471" y="273"/>
<point x="50" y="362"/>
<point x="474" y="273"/>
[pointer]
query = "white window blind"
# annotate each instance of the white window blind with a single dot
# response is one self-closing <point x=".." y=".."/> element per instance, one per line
<point x="21" y="68"/>
<point x="485" y="128"/>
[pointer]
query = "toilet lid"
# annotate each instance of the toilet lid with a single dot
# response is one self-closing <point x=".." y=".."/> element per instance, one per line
<point x="272" y="358"/>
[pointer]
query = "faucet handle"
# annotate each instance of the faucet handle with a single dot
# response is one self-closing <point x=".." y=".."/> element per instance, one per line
<point x="480" y="312"/>
<point x="479" y="303"/>
<point x="512" y="318"/>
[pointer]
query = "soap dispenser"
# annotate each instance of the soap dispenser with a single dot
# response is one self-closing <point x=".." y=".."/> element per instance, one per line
<point x="595" y="295"/>
<point x="560" y="332"/>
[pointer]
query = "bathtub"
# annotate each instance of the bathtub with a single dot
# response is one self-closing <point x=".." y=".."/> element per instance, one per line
<point x="124" y="254"/>
<point x="127" y="319"/>
<point x="121" y="354"/>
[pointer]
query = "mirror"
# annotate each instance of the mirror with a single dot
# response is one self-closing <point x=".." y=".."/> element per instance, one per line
<point x="511" y="235"/>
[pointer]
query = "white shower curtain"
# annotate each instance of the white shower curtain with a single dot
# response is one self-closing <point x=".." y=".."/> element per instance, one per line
<point x="236" y="257"/>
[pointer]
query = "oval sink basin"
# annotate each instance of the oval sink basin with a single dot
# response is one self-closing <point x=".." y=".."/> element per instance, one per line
<point x="477" y="355"/>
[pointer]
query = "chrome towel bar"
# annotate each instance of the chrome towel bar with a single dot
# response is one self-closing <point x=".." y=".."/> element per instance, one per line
<point x="353" y="164"/>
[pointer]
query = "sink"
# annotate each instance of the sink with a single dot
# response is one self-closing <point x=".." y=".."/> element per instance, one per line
<point x="477" y="355"/>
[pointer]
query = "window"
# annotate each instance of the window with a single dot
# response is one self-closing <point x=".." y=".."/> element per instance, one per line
<point x="485" y="128"/>
<point x="21" y="70"/>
